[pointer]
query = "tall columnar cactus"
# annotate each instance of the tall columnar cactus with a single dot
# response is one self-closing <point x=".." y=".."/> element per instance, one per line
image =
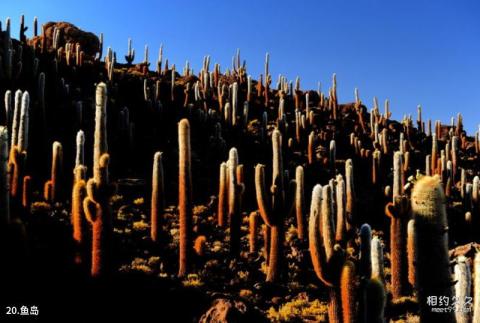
<point x="130" y="53"/>
<point x="53" y="185"/>
<point x="411" y="252"/>
<point x="185" y="196"/>
<point x="80" y="149"/>
<point x="340" y="196"/>
<point x="300" y="202"/>
<point x="253" y="228"/>
<point x="348" y="290"/>
<point x="222" y="195"/>
<point x="235" y="191"/>
<point x="434" y="156"/>
<point x="350" y="194"/>
<point x="273" y="208"/>
<point x="4" y="179"/>
<point x="19" y="145"/>
<point x="333" y="154"/>
<point x="99" y="190"/>
<point x="431" y="240"/>
<point x="78" y="195"/>
<point x="158" y="196"/>
<point x="463" y="287"/>
<point x="327" y="257"/>
<point x="397" y="211"/>
<point x="375" y="300"/>
<point x="365" y="251"/>
<point x="311" y="148"/>
<point x="377" y="259"/>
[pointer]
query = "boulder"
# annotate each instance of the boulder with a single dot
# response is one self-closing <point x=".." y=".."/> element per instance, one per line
<point x="88" y="41"/>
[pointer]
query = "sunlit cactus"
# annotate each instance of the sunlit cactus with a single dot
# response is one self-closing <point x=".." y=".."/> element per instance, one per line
<point x="348" y="291"/>
<point x="377" y="259"/>
<point x="253" y="228"/>
<point x="300" y="202"/>
<point x="99" y="190"/>
<point x="235" y="190"/>
<point x="4" y="179"/>
<point x="185" y="196"/>
<point x="411" y="252"/>
<point x="433" y="275"/>
<point x="53" y="185"/>
<point x="397" y="211"/>
<point x="272" y="207"/>
<point x="158" y="196"/>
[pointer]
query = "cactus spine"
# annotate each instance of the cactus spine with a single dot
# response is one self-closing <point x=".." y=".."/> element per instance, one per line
<point x="431" y="242"/>
<point x="185" y="196"/>
<point x="158" y="195"/>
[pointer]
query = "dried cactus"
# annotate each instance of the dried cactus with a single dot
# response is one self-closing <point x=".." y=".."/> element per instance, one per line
<point x="158" y="196"/>
<point x="185" y="196"/>
<point x="431" y="244"/>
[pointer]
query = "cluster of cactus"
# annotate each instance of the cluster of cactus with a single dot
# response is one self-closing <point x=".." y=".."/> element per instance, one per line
<point x="310" y="129"/>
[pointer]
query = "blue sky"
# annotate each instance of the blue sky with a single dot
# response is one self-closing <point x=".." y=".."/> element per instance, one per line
<point x="411" y="52"/>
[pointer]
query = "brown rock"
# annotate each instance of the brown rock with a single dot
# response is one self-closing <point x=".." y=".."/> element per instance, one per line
<point x="88" y="41"/>
<point x="224" y="310"/>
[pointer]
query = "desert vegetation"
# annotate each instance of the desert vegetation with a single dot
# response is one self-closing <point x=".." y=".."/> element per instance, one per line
<point x="222" y="193"/>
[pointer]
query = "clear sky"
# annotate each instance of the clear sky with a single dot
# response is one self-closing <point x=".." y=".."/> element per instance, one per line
<point x="411" y="51"/>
